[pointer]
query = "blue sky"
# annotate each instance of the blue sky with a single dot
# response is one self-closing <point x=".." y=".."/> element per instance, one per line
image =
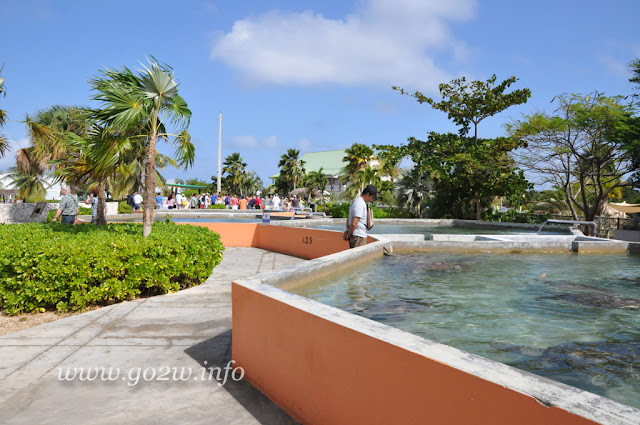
<point x="312" y="75"/>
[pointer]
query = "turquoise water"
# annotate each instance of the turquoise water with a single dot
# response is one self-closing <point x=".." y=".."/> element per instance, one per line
<point x="571" y="318"/>
<point x="381" y="229"/>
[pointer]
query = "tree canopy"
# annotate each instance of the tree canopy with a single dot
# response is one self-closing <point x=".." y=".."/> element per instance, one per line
<point x="581" y="147"/>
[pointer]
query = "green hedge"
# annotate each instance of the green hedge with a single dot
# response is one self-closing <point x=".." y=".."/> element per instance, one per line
<point x="342" y="211"/>
<point x="513" y="216"/>
<point x="63" y="267"/>
<point x="124" y="208"/>
<point x="216" y="207"/>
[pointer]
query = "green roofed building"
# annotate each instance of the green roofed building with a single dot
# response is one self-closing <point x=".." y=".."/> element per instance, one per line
<point x="332" y="164"/>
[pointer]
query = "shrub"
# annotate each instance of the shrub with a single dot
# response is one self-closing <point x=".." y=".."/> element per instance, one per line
<point x="512" y="216"/>
<point x="216" y="207"/>
<point x="124" y="208"/>
<point x="339" y="210"/>
<point x="57" y="266"/>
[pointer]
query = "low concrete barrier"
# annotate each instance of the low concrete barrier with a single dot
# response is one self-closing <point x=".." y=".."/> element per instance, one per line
<point x="323" y="365"/>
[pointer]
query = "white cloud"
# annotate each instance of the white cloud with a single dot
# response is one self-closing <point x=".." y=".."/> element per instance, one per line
<point x="383" y="42"/>
<point x="616" y="66"/>
<point x="304" y="144"/>
<point x="251" y="142"/>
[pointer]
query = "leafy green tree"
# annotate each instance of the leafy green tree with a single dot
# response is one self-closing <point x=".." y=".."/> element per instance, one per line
<point x="463" y="170"/>
<point x="147" y="103"/>
<point x="634" y="66"/>
<point x="468" y="105"/>
<point x="582" y="147"/>
<point x="292" y="167"/>
<point x="234" y="173"/>
<point x="4" y="142"/>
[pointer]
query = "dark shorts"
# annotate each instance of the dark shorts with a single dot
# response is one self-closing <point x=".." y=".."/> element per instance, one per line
<point x="356" y="241"/>
<point x="136" y="207"/>
<point x="67" y="219"/>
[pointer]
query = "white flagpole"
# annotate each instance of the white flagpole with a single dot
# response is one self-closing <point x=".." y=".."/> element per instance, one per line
<point x="220" y="152"/>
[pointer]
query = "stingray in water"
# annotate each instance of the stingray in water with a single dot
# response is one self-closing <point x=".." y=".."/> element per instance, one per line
<point x="391" y="311"/>
<point x="564" y="284"/>
<point x="595" y="299"/>
<point x="610" y="361"/>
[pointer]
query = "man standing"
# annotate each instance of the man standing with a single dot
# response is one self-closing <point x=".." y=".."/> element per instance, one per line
<point x="356" y="232"/>
<point x="137" y="201"/>
<point x="68" y="208"/>
<point x="159" y="201"/>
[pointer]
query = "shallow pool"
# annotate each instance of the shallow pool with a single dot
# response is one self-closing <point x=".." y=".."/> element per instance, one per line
<point x="571" y="318"/>
<point x="426" y="230"/>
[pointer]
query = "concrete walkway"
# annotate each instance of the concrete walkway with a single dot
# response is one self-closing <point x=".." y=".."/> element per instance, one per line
<point x="156" y="350"/>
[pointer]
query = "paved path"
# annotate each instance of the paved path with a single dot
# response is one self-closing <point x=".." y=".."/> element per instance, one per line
<point x="146" y="338"/>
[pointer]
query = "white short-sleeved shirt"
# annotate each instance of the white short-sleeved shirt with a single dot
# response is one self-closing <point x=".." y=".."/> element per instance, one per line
<point x="358" y="208"/>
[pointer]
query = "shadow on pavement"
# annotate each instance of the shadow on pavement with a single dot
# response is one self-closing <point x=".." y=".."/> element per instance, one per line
<point x="216" y="353"/>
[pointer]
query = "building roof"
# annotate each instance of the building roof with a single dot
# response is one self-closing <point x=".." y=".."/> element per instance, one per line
<point x="331" y="162"/>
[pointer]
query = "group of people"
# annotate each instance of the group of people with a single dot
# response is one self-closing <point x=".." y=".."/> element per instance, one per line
<point x="359" y="219"/>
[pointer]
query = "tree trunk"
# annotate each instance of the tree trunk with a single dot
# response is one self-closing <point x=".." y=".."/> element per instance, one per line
<point x="150" y="185"/>
<point x="478" y="209"/>
<point x="102" y="197"/>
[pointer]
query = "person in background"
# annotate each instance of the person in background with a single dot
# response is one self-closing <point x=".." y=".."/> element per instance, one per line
<point x="295" y="202"/>
<point x="137" y="201"/>
<point x="258" y="203"/>
<point x="243" y="203"/>
<point x="214" y="198"/>
<point x="159" y="201"/>
<point x="252" y="203"/>
<point x="193" y="202"/>
<point x="356" y="232"/>
<point x="276" y="202"/>
<point x="92" y="200"/>
<point x="234" y="202"/>
<point x="171" y="202"/>
<point x="68" y="208"/>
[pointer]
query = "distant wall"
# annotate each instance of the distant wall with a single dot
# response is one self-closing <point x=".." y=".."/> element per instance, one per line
<point x="21" y="213"/>
<point x="299" y="242"/>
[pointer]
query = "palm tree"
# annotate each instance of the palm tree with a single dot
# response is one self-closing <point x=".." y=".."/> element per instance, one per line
<point x="292" y="167"/>
<point x="146" y="103"/>
<point x="252" y="183"/>
<point x="414" y="190"/>
<point x="4" y="142"/>
<point x="357" y="157"/>
<point x="361" y="179"/>
<point x="27" y="175"/>
<point x="235" y="173"/>
<point x="316" y="179"/>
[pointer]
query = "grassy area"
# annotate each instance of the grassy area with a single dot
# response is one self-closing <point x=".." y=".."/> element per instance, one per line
<point x="61" y="267"/>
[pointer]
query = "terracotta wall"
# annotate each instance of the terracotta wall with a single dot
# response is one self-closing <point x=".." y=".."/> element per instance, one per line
<point x="321" y="372"/>
<point x="300" y="242"/>
<point x="233" y="234"/>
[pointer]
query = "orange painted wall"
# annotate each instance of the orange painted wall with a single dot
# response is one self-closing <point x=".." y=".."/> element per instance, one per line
<point x="233" y="234"/>
<point x="323" y="373"/>
<point x="300" y="242"/>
